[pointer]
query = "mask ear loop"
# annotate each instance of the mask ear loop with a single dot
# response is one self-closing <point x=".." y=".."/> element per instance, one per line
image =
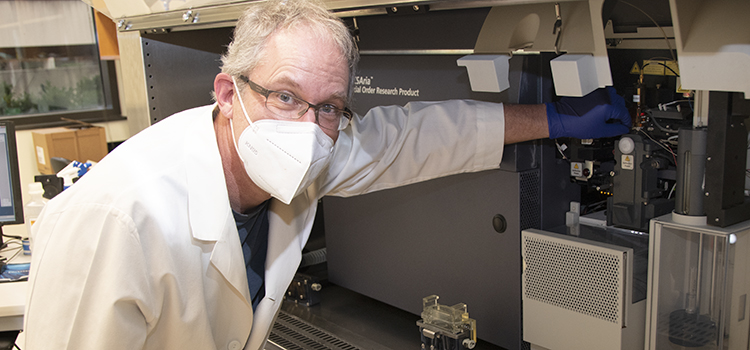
<point x="231" y="120"/>
<point x="242" y="104"/>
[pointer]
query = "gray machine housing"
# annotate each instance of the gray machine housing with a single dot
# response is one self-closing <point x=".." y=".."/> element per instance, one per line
<point x="637" y="197"/>
<point x="458" y="236"/>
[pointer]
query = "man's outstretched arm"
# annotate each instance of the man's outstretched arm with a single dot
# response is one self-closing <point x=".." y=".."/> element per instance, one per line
<point x="601" y="113"/>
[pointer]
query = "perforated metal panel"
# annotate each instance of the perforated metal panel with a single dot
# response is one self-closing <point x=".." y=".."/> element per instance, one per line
<point x="180" y="68"/>
<point x="291" y="333"/>
<point x="574" y="276"/>
<point x="530" y="198"/>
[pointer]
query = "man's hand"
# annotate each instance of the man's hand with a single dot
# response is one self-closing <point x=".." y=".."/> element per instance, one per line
<point x="601" y="113"/>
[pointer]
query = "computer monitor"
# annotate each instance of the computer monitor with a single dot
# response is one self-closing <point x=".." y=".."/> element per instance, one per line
<point x="11" y="202"/>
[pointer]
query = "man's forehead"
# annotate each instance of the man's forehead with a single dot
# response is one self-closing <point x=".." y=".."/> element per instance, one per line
<point x="301" y="60"/>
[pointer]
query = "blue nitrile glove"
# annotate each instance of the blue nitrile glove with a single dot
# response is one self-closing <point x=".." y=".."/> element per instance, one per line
<point x="601" y="113"/>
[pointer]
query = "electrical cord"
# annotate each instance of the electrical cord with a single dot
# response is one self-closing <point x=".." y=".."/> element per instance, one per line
<point x="18" y="249"/>
<point x="14" y="240"/>
<point x="659" y="58"/>
<point x="663" y="145"/>
<point x="11" y="236"/>
<point x="669" y="45"/>
<point x="661" y="64"/>
<point x="662" y="106"/>
<point x="640" y="84"/>
<point x="640" y="79"/>
<point x="593" y="207"/>
<point x="661" y="127"/>
<point x="560" y="149"/>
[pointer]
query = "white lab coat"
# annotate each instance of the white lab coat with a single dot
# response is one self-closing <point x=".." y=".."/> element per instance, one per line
<point x="143" y="251"/>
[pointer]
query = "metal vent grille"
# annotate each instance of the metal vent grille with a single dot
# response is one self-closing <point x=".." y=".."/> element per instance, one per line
<point x="530" y="198"/>
<point x="291" y="333"/>
<point x="573" y="277"/>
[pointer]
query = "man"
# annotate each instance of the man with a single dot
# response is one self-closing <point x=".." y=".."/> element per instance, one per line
<point x="188" y="234"/>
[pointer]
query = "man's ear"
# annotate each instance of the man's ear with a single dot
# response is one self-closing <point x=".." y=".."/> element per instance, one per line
<point x="224" y="90"/>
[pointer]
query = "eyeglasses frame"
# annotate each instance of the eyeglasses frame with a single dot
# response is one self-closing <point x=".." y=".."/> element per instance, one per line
<point x="346" y="112"/>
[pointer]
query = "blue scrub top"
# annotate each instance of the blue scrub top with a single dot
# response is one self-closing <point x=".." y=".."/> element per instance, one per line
<point x="253" y="230"/>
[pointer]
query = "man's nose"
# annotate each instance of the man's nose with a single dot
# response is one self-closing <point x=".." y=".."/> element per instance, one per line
<point x="308" y="116"/>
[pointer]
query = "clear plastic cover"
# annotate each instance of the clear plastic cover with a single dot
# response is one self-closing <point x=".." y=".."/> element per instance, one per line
<point x="454" y="318"/>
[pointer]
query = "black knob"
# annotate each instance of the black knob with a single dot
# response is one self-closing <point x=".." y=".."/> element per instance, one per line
<point x="499" y="223"/>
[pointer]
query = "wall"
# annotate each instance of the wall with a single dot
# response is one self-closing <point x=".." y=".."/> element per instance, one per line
<point x="116" y="131"/>
<point x="45" y="23"/>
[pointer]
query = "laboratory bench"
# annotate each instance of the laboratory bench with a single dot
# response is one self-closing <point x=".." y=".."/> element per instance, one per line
<point x="12" y="301"/>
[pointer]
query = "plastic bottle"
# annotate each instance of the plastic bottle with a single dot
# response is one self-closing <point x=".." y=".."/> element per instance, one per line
<point x="33" y="208"/>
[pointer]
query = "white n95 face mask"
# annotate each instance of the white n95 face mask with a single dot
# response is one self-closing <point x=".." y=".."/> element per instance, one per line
<point x="282" y="157"/>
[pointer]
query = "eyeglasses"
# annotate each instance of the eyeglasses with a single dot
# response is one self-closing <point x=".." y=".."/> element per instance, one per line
<point x="287" y="106"/>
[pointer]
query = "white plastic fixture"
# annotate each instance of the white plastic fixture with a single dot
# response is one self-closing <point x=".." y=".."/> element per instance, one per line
<point x="574" y="75"/>
<point x="487" y="73"/>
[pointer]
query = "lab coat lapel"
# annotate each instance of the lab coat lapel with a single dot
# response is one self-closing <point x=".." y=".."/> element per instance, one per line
<point x="205" y="182"/>
<point x="285" y="242"/>
<point x="289" y="229"/>
<point x="208" y="204"/>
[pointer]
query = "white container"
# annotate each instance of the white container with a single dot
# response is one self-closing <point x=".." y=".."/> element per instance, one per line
<point x="33" y="208"/>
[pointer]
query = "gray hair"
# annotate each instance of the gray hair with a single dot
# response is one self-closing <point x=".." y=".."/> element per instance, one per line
<point x="260" y="21"/>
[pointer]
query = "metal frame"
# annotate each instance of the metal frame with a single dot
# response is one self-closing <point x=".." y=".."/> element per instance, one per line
<point x="726" y="203"/>
<point x="226" y="14"/>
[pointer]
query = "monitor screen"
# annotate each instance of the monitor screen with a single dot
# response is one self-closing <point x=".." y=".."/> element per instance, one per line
<point x="11" y="203"/>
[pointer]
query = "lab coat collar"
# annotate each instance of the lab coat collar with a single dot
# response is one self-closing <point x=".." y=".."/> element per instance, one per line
<point x="289" y="229"/>
<point x="206" y="184"/>
<point x="208" y="202"/>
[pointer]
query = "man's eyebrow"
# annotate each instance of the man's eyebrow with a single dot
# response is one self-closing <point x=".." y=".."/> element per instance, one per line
<point x="288" y="82"/>
<point x="340" y="97"/>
